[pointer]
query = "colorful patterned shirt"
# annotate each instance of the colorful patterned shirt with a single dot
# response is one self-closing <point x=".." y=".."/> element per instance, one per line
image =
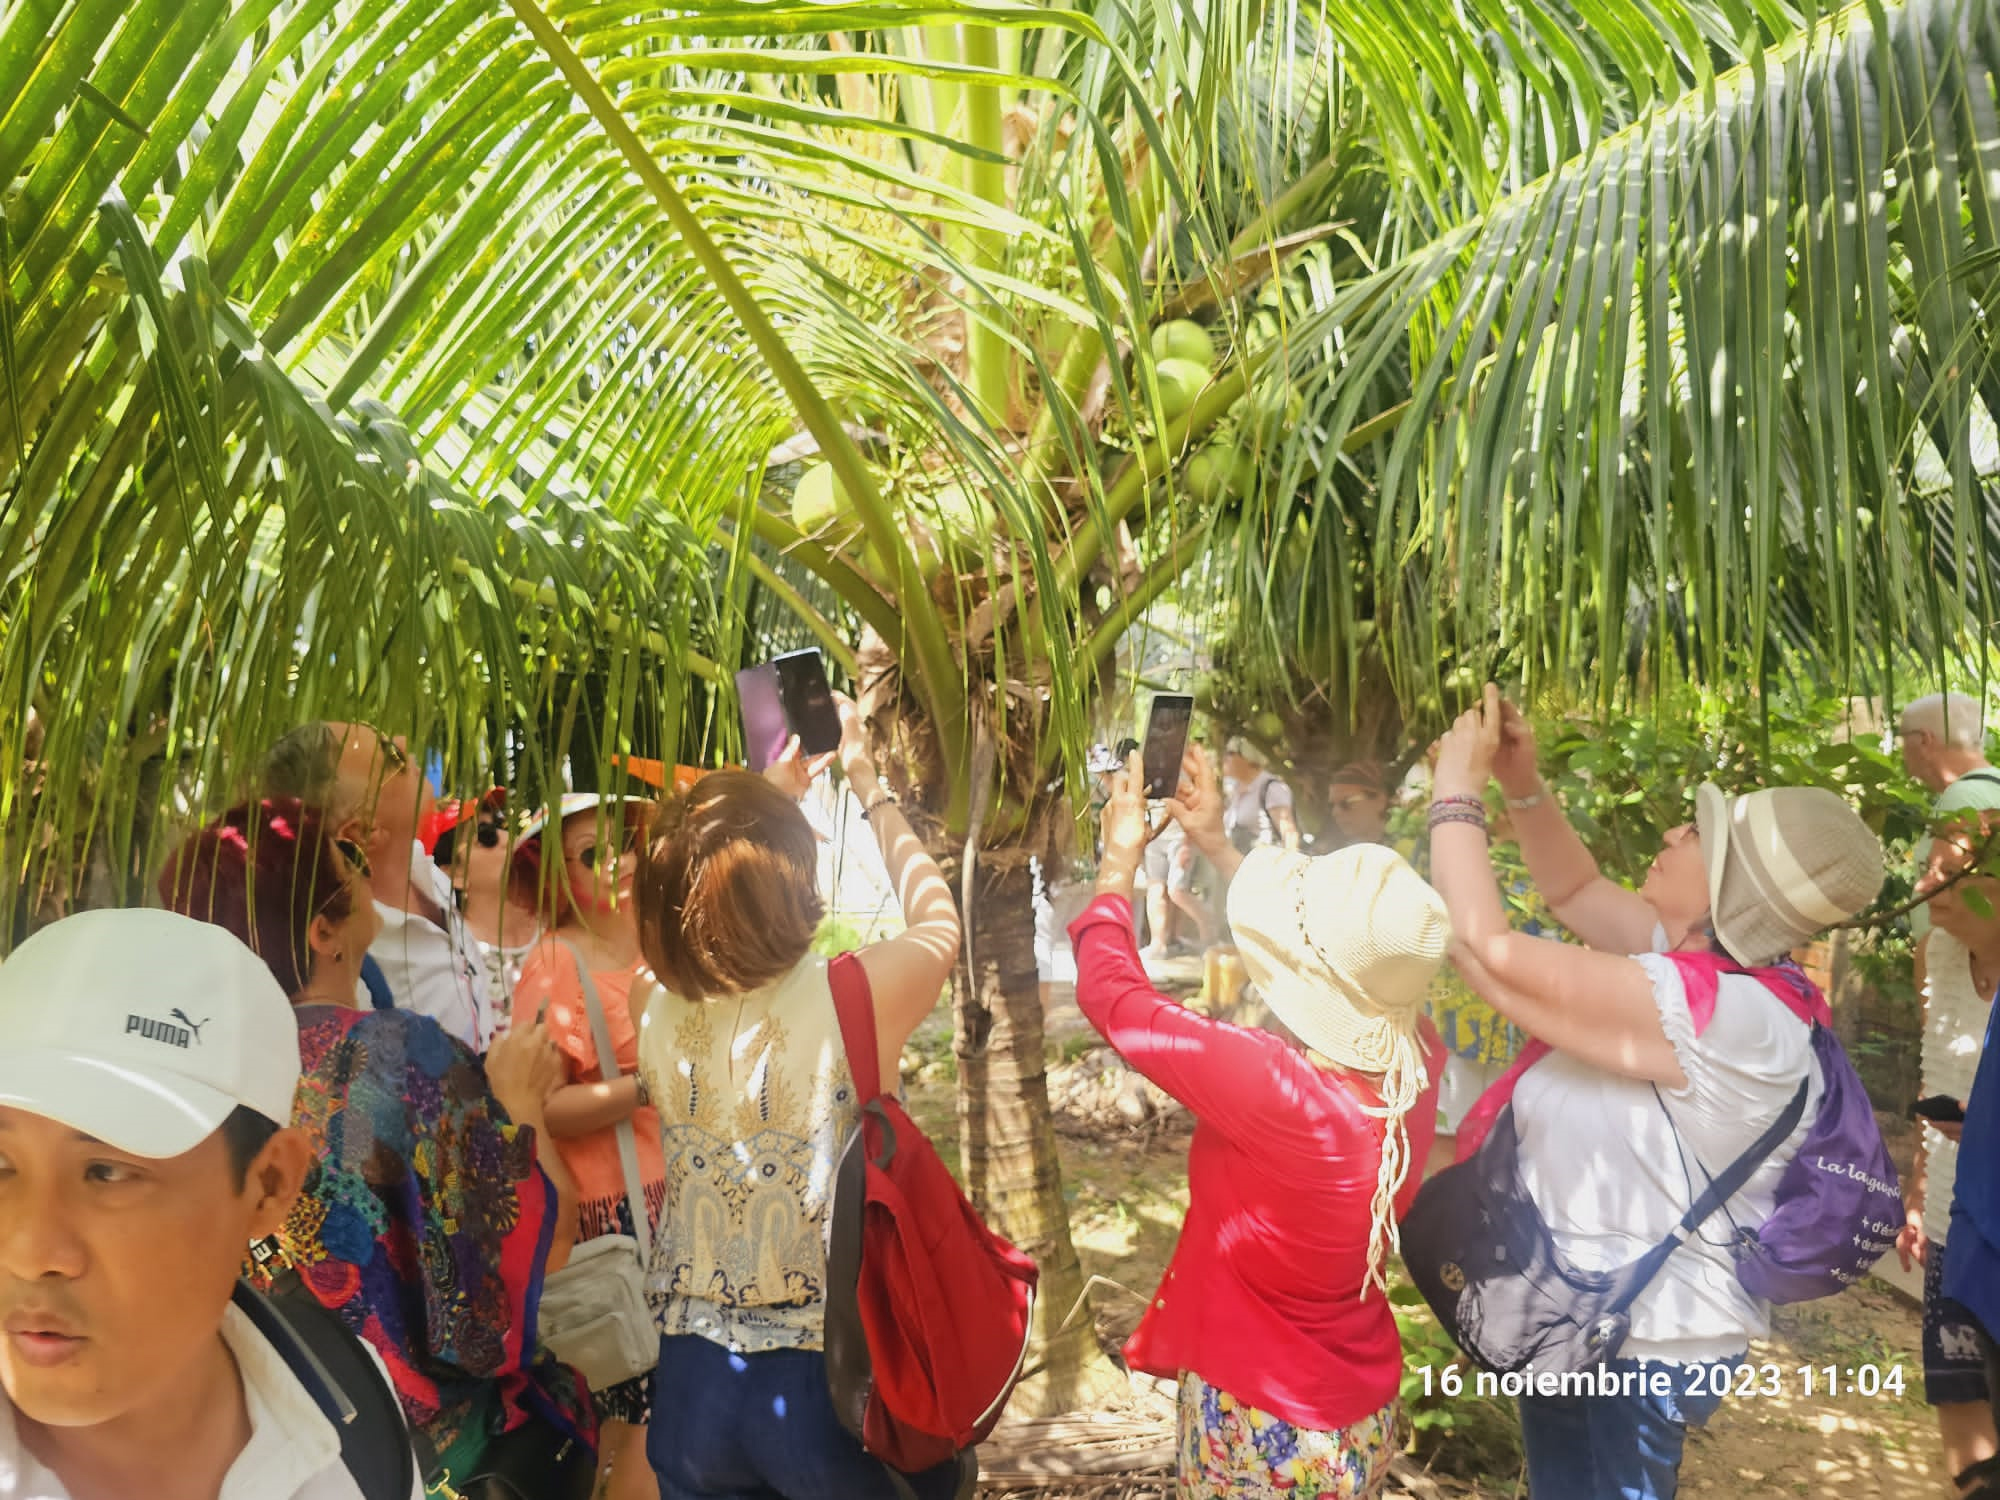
<point x="426" y="1224"/>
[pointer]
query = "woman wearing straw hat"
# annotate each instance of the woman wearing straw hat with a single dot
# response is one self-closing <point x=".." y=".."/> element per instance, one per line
<point x="1634" y="1075"/>
<point x="1273" y="1314"/>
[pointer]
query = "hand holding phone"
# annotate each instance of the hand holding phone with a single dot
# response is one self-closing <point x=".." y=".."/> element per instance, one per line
<point x="1939" y="1109"/>
<point x="783" y="699"/>
<point x="1166" y="743"/>
<point x="808" y="700"/>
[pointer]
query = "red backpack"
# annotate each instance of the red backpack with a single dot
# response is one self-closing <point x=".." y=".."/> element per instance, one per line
<point x="927" y="1310"/>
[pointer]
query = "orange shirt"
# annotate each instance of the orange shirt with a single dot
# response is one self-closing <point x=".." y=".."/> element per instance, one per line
<point x="549" y="979"/>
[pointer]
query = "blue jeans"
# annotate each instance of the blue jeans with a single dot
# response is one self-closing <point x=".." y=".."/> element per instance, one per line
<point x="1620" y="1447"/>
<point x="732" y="1426"/>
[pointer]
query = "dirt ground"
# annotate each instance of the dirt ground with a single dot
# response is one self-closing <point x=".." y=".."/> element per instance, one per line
<point x="1125" y="1175"/>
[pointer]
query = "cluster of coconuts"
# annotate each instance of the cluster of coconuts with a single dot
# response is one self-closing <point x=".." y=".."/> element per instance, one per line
<point x="1227" y="467"/>
<point x="955" y="528"/>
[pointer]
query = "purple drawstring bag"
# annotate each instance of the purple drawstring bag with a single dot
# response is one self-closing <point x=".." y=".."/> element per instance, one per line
<point x="1838" y="1206"/>
<point x="1839" y="1203"/>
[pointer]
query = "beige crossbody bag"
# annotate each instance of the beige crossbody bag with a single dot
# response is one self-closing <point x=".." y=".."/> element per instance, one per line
<point x="594" y="1316"/>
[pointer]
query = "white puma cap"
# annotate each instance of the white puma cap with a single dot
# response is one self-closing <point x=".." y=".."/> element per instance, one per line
<point x="144" y="1029"/>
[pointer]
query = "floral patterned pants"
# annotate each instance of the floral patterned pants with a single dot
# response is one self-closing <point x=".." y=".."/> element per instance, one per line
<point x="1232" y="1451"/>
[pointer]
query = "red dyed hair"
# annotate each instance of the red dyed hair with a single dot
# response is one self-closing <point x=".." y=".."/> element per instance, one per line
<point x="263" y="871"/>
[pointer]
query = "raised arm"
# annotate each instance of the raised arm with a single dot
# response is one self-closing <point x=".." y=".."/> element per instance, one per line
<point x="1598" y="1007"/>
<point x="908" y="972"/>
<point x="1197" y="807"/>
<point x="1232" y="1076"/>
<point x="1600" y="912"/>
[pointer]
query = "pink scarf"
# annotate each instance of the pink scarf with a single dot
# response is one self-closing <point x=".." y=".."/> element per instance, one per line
<point x="1701" y="977"/>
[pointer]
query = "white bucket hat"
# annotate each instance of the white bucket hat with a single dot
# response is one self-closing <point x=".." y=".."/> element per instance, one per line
<point x="1343" y="949"/>
<point x="1783" y="865"/>
<point x="570" y="804"/>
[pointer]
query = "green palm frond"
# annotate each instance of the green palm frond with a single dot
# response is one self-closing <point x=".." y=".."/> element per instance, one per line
<point x="1720" y="382"/>
<point x="233" y="556"/>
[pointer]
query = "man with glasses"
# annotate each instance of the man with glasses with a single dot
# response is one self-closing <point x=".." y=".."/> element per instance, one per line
<point x="1944" y="747"/>
<point x="375" y="796"/>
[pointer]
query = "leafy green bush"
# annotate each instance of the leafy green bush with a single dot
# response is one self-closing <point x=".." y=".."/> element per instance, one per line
<point x="1466" y="1435"/>
<point x="838" y="935"/>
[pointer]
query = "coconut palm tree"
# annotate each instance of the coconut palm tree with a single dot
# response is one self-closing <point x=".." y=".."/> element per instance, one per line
<point x="455" y="360"/>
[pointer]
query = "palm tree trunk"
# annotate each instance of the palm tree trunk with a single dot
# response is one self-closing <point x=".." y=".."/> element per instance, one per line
<point x="1007" y="1133"/>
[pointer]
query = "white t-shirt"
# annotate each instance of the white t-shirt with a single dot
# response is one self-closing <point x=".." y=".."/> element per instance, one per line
<point x="293" y="1452"/>
<point x="435" y="971"/>
<point x="1252" y="802"/>
<point x="1954" y="1028"/>
<point x="1598" y="1156"/>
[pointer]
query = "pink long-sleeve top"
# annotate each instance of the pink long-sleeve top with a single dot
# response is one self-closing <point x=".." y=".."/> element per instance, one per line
<point x="1262" y="1298"/>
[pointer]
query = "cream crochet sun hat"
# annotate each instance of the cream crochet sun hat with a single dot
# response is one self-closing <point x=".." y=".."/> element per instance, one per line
<point x="1783" y="864"/>
<point x="1343" y="949"/>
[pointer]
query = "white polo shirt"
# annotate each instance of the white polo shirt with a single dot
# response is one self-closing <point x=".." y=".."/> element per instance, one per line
<point x="293" y="1452"/>
<point x="432" y="970"/>
<point x="1955" y="1016"/>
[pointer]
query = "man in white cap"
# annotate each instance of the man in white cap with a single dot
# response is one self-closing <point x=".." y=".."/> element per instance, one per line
<point x="375" y="793"/>
<point x="147" y="1067"/>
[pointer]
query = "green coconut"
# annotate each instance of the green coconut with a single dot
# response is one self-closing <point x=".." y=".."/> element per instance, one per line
<point x="955" y="530"/>
<point x="819" y="501"/>
<point x="1184" y="339"/>
<point x="1268" y="727"/>
<point x="1219" y="473"/>
<point x="1181" y="382"/>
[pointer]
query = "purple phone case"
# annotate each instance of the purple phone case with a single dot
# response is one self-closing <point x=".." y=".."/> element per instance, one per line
<point x="764" y="727"/>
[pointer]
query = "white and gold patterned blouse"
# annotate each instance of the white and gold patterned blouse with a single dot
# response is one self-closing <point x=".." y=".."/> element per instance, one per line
<point x="755" y="1103"/>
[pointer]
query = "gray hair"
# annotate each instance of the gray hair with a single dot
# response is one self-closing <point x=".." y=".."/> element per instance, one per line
<point x="305" y="763"/>
<point x="1248" y="751"/>
<point x="1953" y="719"/>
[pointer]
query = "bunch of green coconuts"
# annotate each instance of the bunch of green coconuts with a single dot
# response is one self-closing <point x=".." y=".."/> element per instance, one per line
<point x="955" y="533"/>
<point x="956" y="522"/>
<point x="1227" y="466"/>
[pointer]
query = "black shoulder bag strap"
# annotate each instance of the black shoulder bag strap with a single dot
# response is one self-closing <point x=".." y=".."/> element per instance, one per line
<point x="1721" y="1189"/>
<point x="345" y="1384"/>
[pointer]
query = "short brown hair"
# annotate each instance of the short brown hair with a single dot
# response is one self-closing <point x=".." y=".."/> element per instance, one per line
<point x="728" y="887"/>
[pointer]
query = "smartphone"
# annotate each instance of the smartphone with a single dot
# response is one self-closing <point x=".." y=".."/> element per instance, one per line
<point x="764" y="727"/>
<point x="1941" y="1108"/>
<point x="808" y="701"/>
<point x="1166" y="742"/>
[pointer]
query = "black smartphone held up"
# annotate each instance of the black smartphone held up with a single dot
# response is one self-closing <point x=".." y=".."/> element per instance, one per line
<point x="1939" y="1109"/>
<point x="808" y="699"/>
<point x="1166" y="743"/>
<point x="764" y="727"/>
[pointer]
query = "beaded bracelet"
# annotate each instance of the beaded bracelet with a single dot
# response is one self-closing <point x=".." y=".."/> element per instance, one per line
<point x="1461" y="800"/>
<point x="1442" y="815"/>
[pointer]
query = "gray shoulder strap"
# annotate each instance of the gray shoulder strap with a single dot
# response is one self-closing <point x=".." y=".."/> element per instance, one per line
<point x="607" y="1064"/>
